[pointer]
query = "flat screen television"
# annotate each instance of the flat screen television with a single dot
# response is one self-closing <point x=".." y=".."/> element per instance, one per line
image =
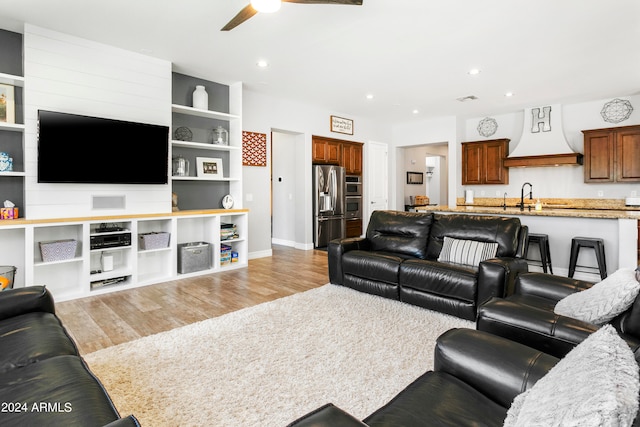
<point x="93" y="150"/>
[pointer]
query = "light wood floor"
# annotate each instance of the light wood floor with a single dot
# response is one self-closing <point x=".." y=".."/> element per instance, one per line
<point x="105" y="320"/>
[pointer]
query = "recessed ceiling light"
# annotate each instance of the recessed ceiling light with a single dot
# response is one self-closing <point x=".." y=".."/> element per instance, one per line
<point x="369" y="96"/>
<point x="508" y="94"/>
<point x="415" y="111"/>
<point x="262" y="63"/>
<point x="474" y="71"/>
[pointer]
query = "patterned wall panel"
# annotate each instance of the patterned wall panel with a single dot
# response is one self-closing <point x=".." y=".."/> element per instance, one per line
<point x="254" y="149"/>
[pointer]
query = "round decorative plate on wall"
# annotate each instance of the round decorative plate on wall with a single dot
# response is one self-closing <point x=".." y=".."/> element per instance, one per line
<point x="487" y="126"/>
<point x="227" y="201"/>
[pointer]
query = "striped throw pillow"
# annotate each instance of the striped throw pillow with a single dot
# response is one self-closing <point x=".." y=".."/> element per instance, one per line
<point x="468" y="252"/>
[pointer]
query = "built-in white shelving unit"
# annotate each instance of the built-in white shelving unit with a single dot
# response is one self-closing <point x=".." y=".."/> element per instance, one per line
<point x="200" y="216"/>
<point x="82" y="274"/>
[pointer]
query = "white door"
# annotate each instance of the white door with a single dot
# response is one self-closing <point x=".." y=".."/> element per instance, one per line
<point x="377" y="181"/>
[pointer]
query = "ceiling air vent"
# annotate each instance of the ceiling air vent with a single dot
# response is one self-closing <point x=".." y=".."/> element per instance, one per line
<point x="467" y="98"/>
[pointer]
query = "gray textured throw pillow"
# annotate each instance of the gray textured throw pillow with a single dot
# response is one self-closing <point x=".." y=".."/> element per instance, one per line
<point x="604" y="300"/>
<point x="595" y="385"/>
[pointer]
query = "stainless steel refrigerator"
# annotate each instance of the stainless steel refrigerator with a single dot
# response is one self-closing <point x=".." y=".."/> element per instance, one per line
<point x="328" y="204"/>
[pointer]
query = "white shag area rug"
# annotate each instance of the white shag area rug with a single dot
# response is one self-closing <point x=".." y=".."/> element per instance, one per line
<point x="270" y="364"/>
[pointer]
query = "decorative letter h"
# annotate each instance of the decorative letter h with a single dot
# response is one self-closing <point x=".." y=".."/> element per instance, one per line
<point x="544" y="119"/>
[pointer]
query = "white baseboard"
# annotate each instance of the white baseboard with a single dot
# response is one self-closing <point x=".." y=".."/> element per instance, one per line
<point x="291" y="244"/>
<point x="260" y="254"/>
<point x="283" y="242"/>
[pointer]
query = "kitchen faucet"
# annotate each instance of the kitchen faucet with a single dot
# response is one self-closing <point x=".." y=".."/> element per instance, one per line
<point x="504" y="201"/>
<point x="521" y="204"/>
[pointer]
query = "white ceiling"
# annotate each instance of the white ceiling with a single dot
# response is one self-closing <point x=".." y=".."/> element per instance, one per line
<point x="410" y="54"/>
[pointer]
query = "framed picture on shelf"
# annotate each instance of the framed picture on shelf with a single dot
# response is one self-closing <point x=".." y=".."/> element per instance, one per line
<point x="415" y="178"/>
<point x="7" y="104"/>
<point x="209" y="167"/>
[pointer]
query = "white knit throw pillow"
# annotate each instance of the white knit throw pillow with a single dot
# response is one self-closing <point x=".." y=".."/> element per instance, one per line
<point x="604" y="300"/>
<point x="595" y="385"/>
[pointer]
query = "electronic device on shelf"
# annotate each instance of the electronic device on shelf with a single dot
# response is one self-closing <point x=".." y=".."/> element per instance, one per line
<point x="110" y="240"/>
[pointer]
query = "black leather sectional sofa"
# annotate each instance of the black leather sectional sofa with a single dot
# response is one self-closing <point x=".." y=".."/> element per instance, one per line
<point x="398" y="259"/>
<point x="43" y="379"/>
<point x="475" y="378"/>
<point x="527" y="316"/>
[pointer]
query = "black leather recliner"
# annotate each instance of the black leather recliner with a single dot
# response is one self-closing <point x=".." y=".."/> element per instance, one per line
<point x="398" y="259"/>
<point x="527" y="316"/>
<point x="43" y="379"/>
<point x="475" y="378"/>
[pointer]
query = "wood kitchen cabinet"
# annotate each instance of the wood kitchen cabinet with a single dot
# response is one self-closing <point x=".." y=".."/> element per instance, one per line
<point x="483" y="162"/>
<point x="352" y="158"/>
<point x="612" y="155"/>
<point x="326" y="151"/>
<point x="354" y="227"/>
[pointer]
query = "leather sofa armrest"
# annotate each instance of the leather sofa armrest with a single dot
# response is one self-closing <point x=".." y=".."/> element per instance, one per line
<point x="536" y="327"/>
<point x="337" y="248"/>
<point x="499" y="368"/>
<point x="496" y="277"/>
<point x="328" y="415"/>
<point x="548" y="286"/>
<point x="129" y="421"/>
<point x="17" y="301"/>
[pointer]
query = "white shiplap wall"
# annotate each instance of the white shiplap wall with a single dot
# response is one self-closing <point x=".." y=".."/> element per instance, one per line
<point x="74" y="75"/>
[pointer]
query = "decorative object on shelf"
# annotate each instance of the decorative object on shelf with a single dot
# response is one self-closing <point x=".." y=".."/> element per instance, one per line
<point x="341" y="125"/>
<point x="209" y="168"/>
<point x="183" y="134"/>
<point x="220" y="136"/>
<point x="227" y="201"/>
<point x="174" y="202"/>
<point x="106" y="261"/>
<point x="415" y="178"/>
<point x="9" y="211"/>
<point x="487" y="126"/>
<point x="200" y="98"/>
<point x="6" y="162"/>
<point x="7" y="104"/>
<point x="616" y="111"/>
<point x="180" y="166"/>
<point x="254" y="149"/>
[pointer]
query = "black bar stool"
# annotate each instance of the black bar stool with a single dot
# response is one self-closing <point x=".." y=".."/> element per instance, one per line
<point x="588" y="242"/>
<point x="542" y="240"/>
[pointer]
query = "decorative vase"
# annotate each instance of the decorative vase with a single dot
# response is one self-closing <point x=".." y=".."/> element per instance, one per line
<point x="200" y="98"/>
<point x="180" y="166"/>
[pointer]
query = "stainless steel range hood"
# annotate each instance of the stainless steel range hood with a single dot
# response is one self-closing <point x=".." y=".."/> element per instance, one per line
<point x="543" y="142"/>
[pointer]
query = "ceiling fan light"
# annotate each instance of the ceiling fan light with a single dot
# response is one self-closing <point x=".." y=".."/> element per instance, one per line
<point x="266" y="6"/>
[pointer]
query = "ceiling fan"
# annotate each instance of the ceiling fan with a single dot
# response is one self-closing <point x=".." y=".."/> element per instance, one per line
<point x="273" y="5"/>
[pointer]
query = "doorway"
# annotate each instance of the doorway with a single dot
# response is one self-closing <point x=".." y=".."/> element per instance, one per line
<point x="287" y="189"/>
<point x="432" y="161"/>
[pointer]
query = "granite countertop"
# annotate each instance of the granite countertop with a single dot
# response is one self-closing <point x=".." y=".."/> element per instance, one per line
<point x="574" y="208"/>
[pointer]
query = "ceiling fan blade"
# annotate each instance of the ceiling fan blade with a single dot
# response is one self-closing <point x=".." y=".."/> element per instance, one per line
<point x="348" y="2"/>
<point x="242" y="16"/>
